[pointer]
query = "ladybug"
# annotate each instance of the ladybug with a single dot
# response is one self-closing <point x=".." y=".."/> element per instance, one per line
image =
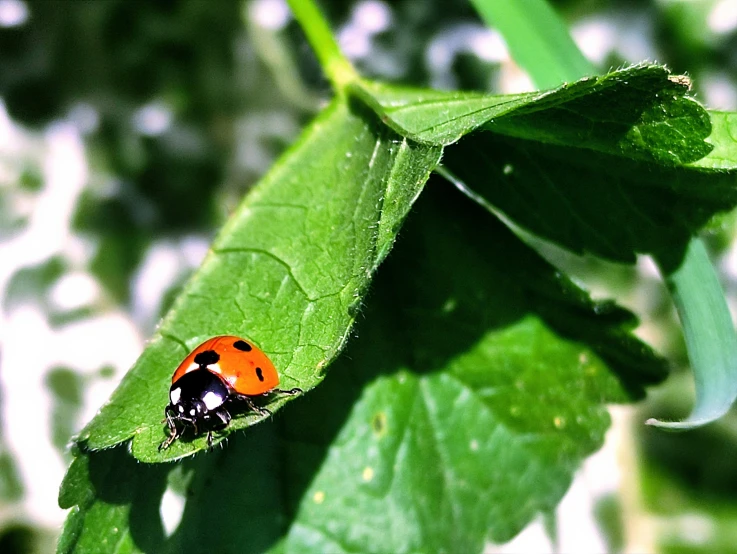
<point x="218" y="374"/>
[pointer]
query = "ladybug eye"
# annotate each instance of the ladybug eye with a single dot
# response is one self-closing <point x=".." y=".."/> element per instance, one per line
<point x="242" y="345"/>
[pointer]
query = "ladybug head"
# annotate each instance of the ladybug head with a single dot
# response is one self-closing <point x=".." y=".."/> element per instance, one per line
<point x="194" y="395"/>
<point x="188" y="411"/>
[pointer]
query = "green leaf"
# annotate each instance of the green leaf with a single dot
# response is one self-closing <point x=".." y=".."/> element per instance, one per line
<point x="288" y="271"/>
<point x="639" y="112"/>
<point x="586" y="199"/>
<point x="562" y="195"/>
<point x="540" y="43"/>
<point x="482" y="410"/>
<point x="235" y="491"/>
<point x="434" y="116"/>
<point x="115" y="503"/>
<point x="462" y="408"/>
<point x="702" y="309"/>
<point x="606" y="165"/>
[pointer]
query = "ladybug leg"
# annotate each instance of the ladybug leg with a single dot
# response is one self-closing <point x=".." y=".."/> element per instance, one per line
<point x="174" y="433"/>
<point x="169" y="419"/>
<point x="254" y="407"/>
<point x="167" y="443"/>
<point x="224" y="417"/>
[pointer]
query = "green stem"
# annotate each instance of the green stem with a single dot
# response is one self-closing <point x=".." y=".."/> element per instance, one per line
<point x="337" y="68"/>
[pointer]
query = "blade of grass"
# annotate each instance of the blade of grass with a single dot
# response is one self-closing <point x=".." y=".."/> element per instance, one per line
<point x="710" y="339"/>
<point x="537" y="39"/>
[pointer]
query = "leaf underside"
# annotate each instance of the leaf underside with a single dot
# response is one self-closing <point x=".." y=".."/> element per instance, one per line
<point x="615" y="165"/>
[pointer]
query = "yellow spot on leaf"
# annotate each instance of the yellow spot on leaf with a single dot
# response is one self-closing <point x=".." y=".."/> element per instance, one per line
<point x="378" y="424"/>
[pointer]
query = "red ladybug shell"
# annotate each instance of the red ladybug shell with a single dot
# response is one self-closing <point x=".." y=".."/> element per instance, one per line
<point x="240" y="363"/>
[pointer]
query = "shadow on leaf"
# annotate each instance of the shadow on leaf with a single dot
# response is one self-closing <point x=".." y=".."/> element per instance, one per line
<point x="460" y="304"/>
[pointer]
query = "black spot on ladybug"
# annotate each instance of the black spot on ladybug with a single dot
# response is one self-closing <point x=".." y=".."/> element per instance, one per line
<point x="242" y="345"/>
<point x="206" y="358"/>
<point x="259" y="374"/>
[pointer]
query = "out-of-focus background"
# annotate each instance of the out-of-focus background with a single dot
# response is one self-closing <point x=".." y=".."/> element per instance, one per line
<point x="130" y="130"/>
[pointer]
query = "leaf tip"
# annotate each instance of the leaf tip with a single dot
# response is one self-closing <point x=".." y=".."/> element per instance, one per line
<point x="668" y="425"/>
<point x="685" y="425"/>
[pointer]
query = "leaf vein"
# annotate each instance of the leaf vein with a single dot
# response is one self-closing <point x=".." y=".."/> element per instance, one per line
<point x="246" y="250"/>
<point x="432" y="410"/>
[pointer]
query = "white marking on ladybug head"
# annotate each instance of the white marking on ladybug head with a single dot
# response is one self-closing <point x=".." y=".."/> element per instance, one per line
<point x="192" y="412"/>
<point x="215" y="368"/>
<point x="192" y="367"/>
<point x="212" y="400"/>
<point x="175" y="395"/>
<point x="181" y="409"/>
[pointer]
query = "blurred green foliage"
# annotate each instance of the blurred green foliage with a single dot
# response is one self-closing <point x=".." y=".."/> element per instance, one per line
<point x="32" y="284"/>
<point x="66" y="385"/>
<point x="11" y="487"/>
